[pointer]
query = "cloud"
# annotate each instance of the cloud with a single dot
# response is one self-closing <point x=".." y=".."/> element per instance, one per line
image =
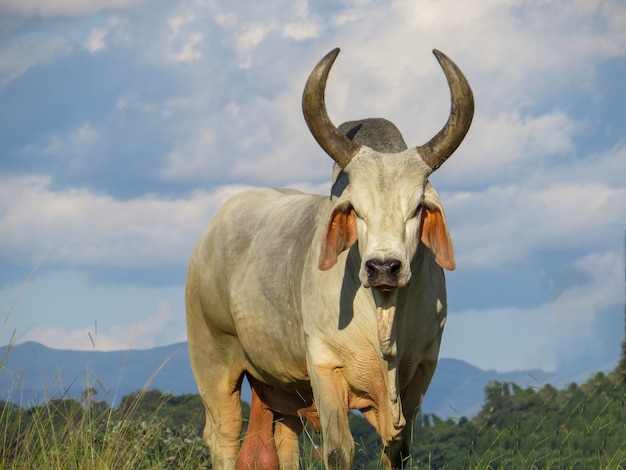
<point x="52" y="8"/>
<point x="176" y="22"/>
<point x="260" y="141"/>
<point x="96" y="42"/>
<point x="144" y="333"/>
<point x="188" y="52"/>
<point x="534" y="204"/>
<point x="16" y="57"/>
<point x="74" y="146"/>
<point x="184" y="37"/>
<point x="511" y="65"/>
<point x="509" y="51"/>
<point x="79" y="227"/>
<point x="248" y="40"/>
<point x="502" y="148"/>
<point x="502" y="225"/>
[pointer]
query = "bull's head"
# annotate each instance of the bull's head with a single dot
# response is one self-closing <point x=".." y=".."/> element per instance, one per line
<point x="385" y="202"/>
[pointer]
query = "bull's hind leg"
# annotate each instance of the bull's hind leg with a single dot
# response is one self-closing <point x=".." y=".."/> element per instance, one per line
<point x="217" y="361"/>
<point x="219" y="382"/>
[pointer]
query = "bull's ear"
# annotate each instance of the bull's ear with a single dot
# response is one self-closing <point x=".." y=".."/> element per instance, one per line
<point x="435" y="235"/>
<point x="339" y="235"/>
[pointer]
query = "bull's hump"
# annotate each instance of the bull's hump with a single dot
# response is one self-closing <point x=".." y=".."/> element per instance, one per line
<point x="378" y="134"/>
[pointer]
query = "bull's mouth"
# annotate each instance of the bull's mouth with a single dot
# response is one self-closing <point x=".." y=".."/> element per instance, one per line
<point x="381" y="287"/>
<point x="385" y="288"/>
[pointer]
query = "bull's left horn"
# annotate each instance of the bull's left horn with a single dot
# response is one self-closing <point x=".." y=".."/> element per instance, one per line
<point x="440" y="147"/>
<point x="335" y="144"/>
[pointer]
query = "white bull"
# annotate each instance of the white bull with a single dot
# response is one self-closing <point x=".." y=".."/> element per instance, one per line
<point x="326" y="304"/>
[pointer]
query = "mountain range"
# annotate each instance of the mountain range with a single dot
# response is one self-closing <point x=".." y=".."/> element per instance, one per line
<point x="31" y="373"/>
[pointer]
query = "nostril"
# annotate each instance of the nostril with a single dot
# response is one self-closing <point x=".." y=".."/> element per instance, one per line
<point x="389" y="268"/>
<point x="394" y="268"/>
<point x="372" y="267"/>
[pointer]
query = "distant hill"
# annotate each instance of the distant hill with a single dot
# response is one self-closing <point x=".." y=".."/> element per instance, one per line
<point x="458" y="388"/>
<point x="31" y="373"/>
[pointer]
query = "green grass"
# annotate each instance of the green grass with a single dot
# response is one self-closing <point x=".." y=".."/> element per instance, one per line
<point x="66" y="434"/>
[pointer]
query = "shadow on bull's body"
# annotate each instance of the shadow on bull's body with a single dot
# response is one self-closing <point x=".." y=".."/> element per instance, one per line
<point x="349" y="288"/>
<point x="326" y="304"/>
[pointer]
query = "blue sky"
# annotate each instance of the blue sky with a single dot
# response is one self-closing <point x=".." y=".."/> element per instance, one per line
<point x="126" y="123"/>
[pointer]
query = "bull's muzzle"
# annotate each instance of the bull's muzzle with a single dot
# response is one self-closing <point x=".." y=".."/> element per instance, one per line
<point x="384" y="274"/>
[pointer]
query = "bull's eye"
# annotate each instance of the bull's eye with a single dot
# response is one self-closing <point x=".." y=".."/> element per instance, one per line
<point x="417" y="212"/>
<point x="358" y="216"/>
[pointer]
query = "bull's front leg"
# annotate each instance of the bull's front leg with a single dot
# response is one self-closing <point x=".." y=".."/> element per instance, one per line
<point x="398" y="454"/>
<point x="331" y="396"/>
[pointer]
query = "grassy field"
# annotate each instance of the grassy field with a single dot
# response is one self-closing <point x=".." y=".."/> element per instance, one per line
<point x="577" y="427"/>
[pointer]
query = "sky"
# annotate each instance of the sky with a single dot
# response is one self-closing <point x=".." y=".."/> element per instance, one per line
<point x="126" y="123"/>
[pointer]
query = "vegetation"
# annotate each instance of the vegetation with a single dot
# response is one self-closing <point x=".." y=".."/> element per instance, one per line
<point x="577" y="427"/>
<point x="65" y="433"/>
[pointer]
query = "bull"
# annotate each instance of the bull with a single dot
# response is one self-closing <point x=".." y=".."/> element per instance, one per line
<point x="326" y="304"/>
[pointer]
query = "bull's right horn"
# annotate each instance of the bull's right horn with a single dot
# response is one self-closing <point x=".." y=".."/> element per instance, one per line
<point x="440" y="147"/>
<point x="335" y="144"/>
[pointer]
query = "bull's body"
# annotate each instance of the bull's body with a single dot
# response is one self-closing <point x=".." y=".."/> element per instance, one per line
<point x="281" y="287"/>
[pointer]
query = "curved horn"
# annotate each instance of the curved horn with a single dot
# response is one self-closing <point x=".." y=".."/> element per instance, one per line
<point x="335" y="144"/>
<point x="440" y="147"/>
